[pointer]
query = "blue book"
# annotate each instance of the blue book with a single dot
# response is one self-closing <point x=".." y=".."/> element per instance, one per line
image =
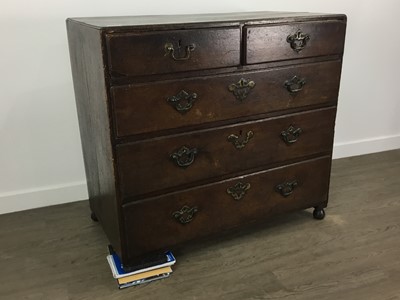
<point x="118" y="271"/>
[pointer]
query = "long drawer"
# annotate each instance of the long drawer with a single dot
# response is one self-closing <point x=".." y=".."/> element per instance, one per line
<point x="160" y="52"/>
<point x="213" y="208"/>
<point x="162" y="163"/>
<point x="293" y="41"/>
<point x="150" y="107"/>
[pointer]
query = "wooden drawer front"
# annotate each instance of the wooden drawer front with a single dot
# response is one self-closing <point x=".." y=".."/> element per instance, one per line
<point x="164" y="163"/>
<point x="271" y="43"/>
<point x="190" y="102"/>
<point x="135" y="54"/>
<point x="155" y="223"/>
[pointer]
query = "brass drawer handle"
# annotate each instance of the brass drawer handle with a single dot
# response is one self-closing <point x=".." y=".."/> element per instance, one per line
<point x="290" y="135"/>
<point x="295" y="84"/>
<point x="185" y="214"/>
<point x="169" y="50"/>
<point x="183" y="101"/>
<point x="238" y="191"/>
<point x="240" y="141"/>
<point x="298" y="40"/>
<point x="242" y="88"/>
<point x="286" y="188"/>
<point x="184" y="156"/>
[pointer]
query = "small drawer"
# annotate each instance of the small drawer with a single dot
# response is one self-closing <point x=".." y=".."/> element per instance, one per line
<point x="134" y="54"/>
<point x="137" y="108"/>
<point x="186" y="159"/>
<point x="163" y="222"/>
<point x="292" y="41"/>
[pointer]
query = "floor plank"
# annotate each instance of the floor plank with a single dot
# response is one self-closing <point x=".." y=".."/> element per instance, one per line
<point x="59" y="253"/>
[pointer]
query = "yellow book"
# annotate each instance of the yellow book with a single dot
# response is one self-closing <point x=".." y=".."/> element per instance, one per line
<point x="142" y="275"/>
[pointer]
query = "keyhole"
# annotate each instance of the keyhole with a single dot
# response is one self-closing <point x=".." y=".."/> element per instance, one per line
<point x="179" y="43"/>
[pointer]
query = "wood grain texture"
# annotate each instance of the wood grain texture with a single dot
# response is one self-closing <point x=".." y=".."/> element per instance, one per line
<point x="268" y="43"/>
<point x="353" y="254"/>
<point x="144" y="54"/>
<point x="217" y="211"/>
<point x="138" y="107"/>
<point x="92" y="106"/>
<point x="255" y="17"/>
<point x="147" y="166"/>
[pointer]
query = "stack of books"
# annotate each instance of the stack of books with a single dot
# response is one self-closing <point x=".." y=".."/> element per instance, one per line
<point x="150" y="270"/>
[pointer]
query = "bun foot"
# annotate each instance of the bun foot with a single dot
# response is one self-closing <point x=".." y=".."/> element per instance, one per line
<point x="319" y="213"/>
<point x="93" y="217"/>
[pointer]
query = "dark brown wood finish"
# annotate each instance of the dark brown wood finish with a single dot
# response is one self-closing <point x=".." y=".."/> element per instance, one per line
<point x="92" y="106"/>
<point x="145" y="53"/>
<point x="216" y="155"/>
<point x="137" y="108"/>
<point x="269" y="43"/>
<point x="148" y="22"/>
<point x="246" y="82"/>
<point x="218" y="211"/>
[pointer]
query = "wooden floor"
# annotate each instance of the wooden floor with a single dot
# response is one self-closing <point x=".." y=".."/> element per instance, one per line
<point x="59" y="253"/>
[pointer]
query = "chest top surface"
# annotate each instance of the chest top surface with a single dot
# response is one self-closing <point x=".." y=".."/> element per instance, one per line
<point x="260" y="17"/>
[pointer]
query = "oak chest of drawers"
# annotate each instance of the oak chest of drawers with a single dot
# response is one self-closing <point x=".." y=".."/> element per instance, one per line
<point x="195" y="125"/>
